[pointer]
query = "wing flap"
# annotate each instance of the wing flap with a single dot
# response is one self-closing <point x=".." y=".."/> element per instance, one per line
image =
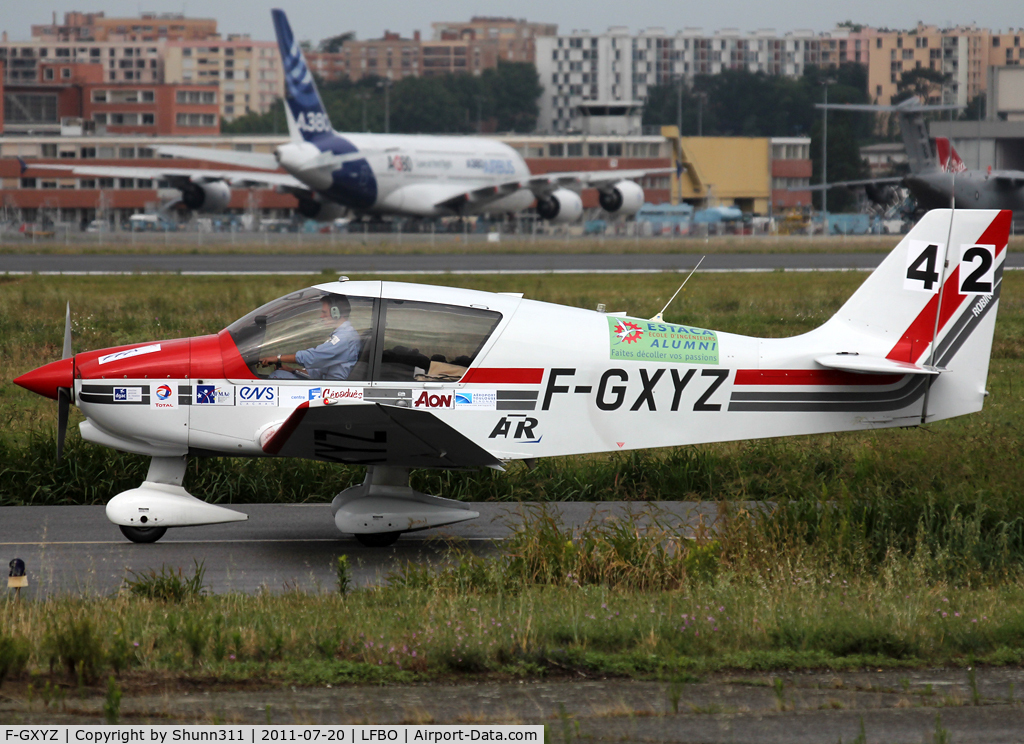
<point x="372" y="434"/>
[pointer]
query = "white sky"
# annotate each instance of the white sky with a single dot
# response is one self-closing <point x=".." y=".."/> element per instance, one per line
<point x="316" y="19"/>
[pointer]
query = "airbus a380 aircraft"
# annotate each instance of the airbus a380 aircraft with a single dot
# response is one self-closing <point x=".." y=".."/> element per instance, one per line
<point x="398" y="376"/>
<point x="332" y="174"/>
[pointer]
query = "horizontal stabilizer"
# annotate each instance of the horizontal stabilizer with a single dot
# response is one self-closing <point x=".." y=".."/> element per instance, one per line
<point x="874" y="365"/>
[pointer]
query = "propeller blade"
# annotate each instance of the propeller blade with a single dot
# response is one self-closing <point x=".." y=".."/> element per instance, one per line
<point x="63" y="406"/>
<point x="67" y="333"/>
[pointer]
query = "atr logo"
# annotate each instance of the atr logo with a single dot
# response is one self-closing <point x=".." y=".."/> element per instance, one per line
<point x="164" y="397"/>
<point x="627" y="332"/>
<point x="399" y="163"/>
<point x="257" y="395"/>
<point x="214" y="395"/>
<point x="127" y="395"/>
<point x="523" y="428"/>
<point x="433" y="400"/>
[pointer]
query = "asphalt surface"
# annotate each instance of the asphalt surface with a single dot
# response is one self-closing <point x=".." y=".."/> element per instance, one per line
<point x="440" y="263"/>
<point x="74" y="549"/>
<point x="927" y="705"/>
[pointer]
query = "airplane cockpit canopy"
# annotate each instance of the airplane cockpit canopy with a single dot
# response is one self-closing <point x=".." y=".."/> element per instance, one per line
<point x="356" y="338"/>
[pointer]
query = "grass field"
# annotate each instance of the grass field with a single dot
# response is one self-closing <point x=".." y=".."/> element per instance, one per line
<point x="890" y="548"/>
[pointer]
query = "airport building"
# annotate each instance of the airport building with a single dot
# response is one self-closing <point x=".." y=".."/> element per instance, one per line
<point x="751" y="173"/>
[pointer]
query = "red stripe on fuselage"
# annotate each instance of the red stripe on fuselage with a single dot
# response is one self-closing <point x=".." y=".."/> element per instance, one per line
<point x="810" y="377"/>
<point x="505" y="376"/>
<point x="918" y="336"/>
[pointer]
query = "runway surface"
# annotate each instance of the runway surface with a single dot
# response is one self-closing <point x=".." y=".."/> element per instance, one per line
<point x="74" y="549"/>
<point x="440" y="263"/>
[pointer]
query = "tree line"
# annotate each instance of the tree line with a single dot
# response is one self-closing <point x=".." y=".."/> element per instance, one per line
<point x="502" y="99"/>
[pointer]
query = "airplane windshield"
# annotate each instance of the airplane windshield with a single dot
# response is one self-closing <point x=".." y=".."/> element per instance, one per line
<point x="330" y="336"/>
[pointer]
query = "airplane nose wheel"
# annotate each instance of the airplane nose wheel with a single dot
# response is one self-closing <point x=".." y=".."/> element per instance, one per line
<point x="378" y="539"/>
<point x="142" y="534"/>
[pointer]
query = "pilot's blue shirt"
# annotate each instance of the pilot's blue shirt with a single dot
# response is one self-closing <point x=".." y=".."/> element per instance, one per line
<point x="335" y="357"/>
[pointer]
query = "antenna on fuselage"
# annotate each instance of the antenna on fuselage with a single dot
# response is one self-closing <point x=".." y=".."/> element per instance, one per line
<point x="658" y="317"/>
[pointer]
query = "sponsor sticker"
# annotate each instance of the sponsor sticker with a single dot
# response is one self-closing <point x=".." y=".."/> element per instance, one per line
<point x="646" y="341"/>
<point x="127" y="395"/>
<point x="292" y="396"/>
<point x="256" y="395"/>
<point x="164" y="396"/>
<point x="129" y="353"/>
<point x="333" y="394"/>
<point x="486" y="400"/>
<point x="215" y="395"/>
<point x="428" y="399"/>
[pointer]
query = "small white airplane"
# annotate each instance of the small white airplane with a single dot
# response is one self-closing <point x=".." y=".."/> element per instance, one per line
<point x="399" y="376"/>
<point x="333" y="174"/>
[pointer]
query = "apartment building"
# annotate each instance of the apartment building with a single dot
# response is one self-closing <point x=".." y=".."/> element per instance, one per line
<point x="80" y="26"/>
<point x="620" y="66"/>
<point x="516" y="37"/>
<point x="247" y="73"/>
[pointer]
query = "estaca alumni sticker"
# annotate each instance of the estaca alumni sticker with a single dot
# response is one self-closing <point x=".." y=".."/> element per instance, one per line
<point x="647" y="341"/>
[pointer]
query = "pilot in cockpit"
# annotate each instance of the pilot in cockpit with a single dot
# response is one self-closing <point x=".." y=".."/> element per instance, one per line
<point x="331" y="360"/>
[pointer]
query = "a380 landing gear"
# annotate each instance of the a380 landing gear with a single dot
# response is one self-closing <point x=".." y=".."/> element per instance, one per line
<point x="384" y="506"/>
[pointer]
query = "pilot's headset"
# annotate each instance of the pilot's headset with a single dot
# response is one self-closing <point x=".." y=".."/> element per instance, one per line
<point x="339" y="305"/>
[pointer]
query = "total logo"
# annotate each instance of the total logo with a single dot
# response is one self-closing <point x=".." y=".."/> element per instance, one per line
<point x="164" y="397"/>
<point x="434" y="400"/>
<point x="215" y="395"/>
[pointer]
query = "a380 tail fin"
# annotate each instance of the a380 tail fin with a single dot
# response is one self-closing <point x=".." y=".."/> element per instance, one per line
<point x="307" y="118"/>
<point x="928" y="311"/>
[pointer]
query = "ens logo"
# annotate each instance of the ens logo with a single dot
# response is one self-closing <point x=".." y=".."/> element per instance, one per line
<point x="257" y="395"/>
<point x="433" y="400"/>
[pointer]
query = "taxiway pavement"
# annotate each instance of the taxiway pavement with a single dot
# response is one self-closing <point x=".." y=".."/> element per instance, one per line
<point x="74" y="549"/>
<point x="438" y="263"/>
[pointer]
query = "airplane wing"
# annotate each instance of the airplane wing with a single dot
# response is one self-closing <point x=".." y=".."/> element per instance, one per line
<point x="545" y="183"/>
<point x="1008" y="178"/>
<point x="232" y="177"/>
<point x="375" y="435"/>
<point x="865" y="182"/>
<point x="262" y="160"/>
<point x="542" y="185"/>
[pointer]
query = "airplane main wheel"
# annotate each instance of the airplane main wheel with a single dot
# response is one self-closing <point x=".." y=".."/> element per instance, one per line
<point x="378" y="539"/>
<point x="142" y="534"/>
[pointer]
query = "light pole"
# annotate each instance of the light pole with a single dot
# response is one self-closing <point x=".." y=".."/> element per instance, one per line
<point x="679" y="107"/>
<point x="386" y="84"/>
<point x="700" y="113"/>
<point x="364" y="95"/>
<point x="824" y="150"/>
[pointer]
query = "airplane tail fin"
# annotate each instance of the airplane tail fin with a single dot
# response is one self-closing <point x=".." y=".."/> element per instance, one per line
<point x="928" y="313"/>
<point x="949" y="159"/>
<point x="914" y="132"/>
<point x="307" y="117"/>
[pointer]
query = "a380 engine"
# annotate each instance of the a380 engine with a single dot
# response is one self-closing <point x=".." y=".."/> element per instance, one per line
<point x="210" y="196"/>
<point x="624" y="197"/>
<point x="321" y="211"/>
<point x="561" y="206"/>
